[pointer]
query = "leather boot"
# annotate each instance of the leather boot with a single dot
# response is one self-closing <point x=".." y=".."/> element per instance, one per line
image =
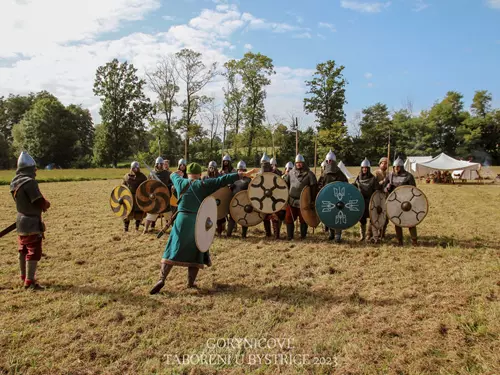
<point x="290" y="228"/>
<point x="413" y="234"/>
<point x="164" y="271"/>
<point x="362" y="233"/>
<point x="244" y="231"/>
<point x="267" y="228"/>
<point x="303" y="230"/>
<point x="22" y="265"/>
<point x="338" y="236"/>
<point x="276" y="230"/>
<point x="331" y="236"/>
<point x="230" y="228"/>
<point x="137" y="224"/>
<point x="125" y="225"/>
<point x="30" y="282"/>
<point x="192" y="273"/>
<point x="399" y="235"/>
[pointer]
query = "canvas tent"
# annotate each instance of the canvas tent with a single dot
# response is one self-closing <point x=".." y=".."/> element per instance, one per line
<point x="411" y="162"/>
<point x="443" y="162"/>
<point x="344" y="170"/>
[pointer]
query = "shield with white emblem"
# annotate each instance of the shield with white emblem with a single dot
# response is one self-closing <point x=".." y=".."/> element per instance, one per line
<point x="340" y="205"/>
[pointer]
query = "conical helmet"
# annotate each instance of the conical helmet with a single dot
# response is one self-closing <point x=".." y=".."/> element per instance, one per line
<point x="300" y="159"/>
<point x="135" y="164"/>
<point x="182" y="162"/>
<point x="159" y="160"/>
<point x="241" y="165"/>
<point x="366" y="163"/>
<point x="289" y="165"/>
<point x="273" y="162"/>
<point x="25" y="160"/>
<point x="226" y="158"/>
<point x="330" y="156"/>
<point x="265" y="159"/>
<point x="212" y="164"/>
<point x="398" y="162"/>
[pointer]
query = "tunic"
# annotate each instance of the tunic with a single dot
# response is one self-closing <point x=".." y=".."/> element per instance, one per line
<point x="367" y="184"/>
<point x="297" y="180"/>
<point x="181" y="247"/>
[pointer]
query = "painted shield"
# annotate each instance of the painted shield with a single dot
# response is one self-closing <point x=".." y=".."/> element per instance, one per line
<point x="121" y="201"/>
<point x="173" y="198"/>
<point x="407" y="206"/>
<point x="223" y="199"/>
<point x="340" y="205"/>
<point x="206" y="223"/>
<point x="309" y="214"/>
<point x="243" y="212"/>
<point x="268" y="192"/>
<point x="378" y="216"/>
<point x="153" y="197"/>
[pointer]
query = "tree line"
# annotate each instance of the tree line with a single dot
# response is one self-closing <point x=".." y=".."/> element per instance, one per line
<point x="182" y="121"/>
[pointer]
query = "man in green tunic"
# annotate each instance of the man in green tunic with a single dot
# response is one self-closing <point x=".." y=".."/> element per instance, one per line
<point x="181" y="247"/>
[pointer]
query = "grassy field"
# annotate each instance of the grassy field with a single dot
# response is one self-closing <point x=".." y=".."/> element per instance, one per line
<point x="355" y="308"/>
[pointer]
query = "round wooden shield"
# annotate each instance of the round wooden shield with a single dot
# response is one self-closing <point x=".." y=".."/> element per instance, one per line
<point x="223" y="199"/>
<point x="268" y="192"/>
<point x="378" y="215"/>
<point x="407" y="206"/>
<point x="206" y="223"/>
<point x="121" y="201"/>
<point x="340" y="205"/>
<point x="309" y="214"/>
<point x="243" y="212"/>
<point x="152" y="197"/>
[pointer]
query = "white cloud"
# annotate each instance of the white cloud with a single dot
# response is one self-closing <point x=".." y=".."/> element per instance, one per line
<point x="248" y="46"/>
<point x="34" y="26"/>
<point x="65" y="63"/>
<point x="327" y="25"/>
<point x="169" y="18"/>
<point x="305" y="35"/>
<point x="321" y="36"/>
<point x="364" y="7"/>
<point x="495" y="4"/>
<point x="368" y="75"/>
<point x="370" y="85"/>
<point x="298" y="18"/>
<point x="420" y="5"/>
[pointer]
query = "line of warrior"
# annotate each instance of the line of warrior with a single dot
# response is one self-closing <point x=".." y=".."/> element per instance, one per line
<point x="189" y="189"/>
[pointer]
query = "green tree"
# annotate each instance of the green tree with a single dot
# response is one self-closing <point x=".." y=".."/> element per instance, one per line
<point x="481" y="104"/>
<point x="335" y="138"/>
<point x="82" y="122"/>
<point x="375" y="125"/>
<point x="327" y="95"/>
<point x="195" y="75"/>
<point x="233" y="103"/>
<point x="123" y="111"/>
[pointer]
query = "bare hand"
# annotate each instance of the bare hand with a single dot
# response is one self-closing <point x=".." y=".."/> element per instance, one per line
<point x="179" y="172"/>
<point x="249" y="174"/>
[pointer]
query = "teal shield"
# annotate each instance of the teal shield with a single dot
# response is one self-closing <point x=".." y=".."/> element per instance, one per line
<point x="340" y="205"/>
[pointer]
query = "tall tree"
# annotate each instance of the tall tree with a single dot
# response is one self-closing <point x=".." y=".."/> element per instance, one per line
<point x="327" y="95"/>
<point x="124" y="107"/>
<point x="255" y="70"/>
<point x="82" y="122"/>
<point x="481" y="104"/>
<point x="375" y="125"/>
<point x="195" y="75"/>
<point x="233" y="101"/>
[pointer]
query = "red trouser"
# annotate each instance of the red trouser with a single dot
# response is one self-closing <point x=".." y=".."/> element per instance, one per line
<point x="292" y="213"/>
<point x="31" y="246"/>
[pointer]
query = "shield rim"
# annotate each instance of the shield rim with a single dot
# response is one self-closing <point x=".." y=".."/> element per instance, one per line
<point x="362" y="200"/>
<point x="244" y="193"/>
<point x="143" y="207"/>
<point x="206" y="201"/>
<point x="273" y="175"/>
<point x="406" y="187"/>
<point x="222" y="215"/>
<point x="302" y="209"/>
<point x="128" y="212"/>
<point x="370" y="209"/>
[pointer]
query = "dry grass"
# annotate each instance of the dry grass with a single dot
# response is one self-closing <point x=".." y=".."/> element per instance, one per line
<point x="374" y="310"/>
<point x="60" y="175"/>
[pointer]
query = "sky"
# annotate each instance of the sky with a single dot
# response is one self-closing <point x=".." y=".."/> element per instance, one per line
<point x="394" y="52"/>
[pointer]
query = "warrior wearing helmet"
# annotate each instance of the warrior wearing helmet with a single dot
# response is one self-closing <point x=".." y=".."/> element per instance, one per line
<point x="238" y="186"/>
<point x="332" y="173"/>
<point x="227" y="166"/>
<point x="367" y="184"/>
<point x="164" y="176"/>
<point x="276" y="218"/>
<point x="288" y="167"/>
<point x="274" y="166"/>
<point x="397" y="178"/>
<point x="212" y="171"/>
<point x="380" y="174"/>
<point x="30" y="204"/>
<point x="298" y="178"/>
<point x="132" y="180"/>
<point x="181" y="166"/>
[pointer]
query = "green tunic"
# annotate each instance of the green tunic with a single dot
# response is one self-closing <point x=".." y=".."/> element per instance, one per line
<point x="181" y="247"/>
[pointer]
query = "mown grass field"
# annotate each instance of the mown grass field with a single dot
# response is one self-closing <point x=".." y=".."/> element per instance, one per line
<point x="364" y="309"/>
<point x="65" y="175"/>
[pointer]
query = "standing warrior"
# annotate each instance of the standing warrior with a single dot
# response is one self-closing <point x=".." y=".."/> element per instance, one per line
<point x="132" y="180"/>
<point x="288" y="168"/>
<point x="367" y="184"/>
<point x="181" y="166"/>
<point x="30" y="204"/>
<point x="164" y="177"/>
<point x="212" y="171"/>
<point x="236" y="188"/>
<point x="181" y="247"/>
<point x="332" y="173"/>
<point x="227" y="166"/>
<point x="298" y="178"/>
<point x="397" y="178"/>
<point x="381" y="174"/>
<point x="275" y="169"/>
<point x="276" y="218"/>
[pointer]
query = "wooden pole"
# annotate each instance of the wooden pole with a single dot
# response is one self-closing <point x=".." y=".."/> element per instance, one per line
<point x="186" y="148"/>
<point x="159" y="147"/>
<point x="389" y="149"/>
<point x="296" y="135"/>
<point x="315" y="154"/>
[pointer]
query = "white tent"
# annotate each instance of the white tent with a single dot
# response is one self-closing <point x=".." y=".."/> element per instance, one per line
<point x="411" y="162"/>
<point x="344" y="170"/>
<point x="443" y="162"/>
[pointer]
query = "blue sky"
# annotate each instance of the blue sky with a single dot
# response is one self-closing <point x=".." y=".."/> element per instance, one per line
<point x="392" y="51"/>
